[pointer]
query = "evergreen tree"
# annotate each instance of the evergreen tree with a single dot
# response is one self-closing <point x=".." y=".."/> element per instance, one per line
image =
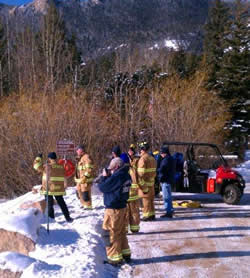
<point x="182" y="63"/>
<point x="216" y="32"/>
<point x="74" y="69"/>
<point x="234" y="73"/>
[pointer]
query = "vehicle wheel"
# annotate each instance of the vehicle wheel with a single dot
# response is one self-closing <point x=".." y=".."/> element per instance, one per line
<point x="232" y="194"/>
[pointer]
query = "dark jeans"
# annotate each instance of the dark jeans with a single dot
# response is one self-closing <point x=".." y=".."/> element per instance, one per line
<point x="61" y="204"/>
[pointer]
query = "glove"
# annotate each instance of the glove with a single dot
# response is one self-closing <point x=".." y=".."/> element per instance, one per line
<point x="40" y="155"/>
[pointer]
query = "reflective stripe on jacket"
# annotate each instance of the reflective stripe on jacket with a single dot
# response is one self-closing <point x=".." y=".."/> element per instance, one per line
<point x="146" y="171"/>
<point x="56" y="177"/>
<point x="133" y="192"/>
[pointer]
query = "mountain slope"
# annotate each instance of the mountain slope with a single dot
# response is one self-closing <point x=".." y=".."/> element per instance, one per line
<point x="102" y="24"/>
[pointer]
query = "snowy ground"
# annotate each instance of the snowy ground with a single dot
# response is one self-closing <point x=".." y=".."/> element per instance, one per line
<point x="69" y="250"/>
<point x="212" y="241"/>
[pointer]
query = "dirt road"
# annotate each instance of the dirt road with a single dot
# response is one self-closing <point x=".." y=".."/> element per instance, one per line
<point x="212" y="241"/>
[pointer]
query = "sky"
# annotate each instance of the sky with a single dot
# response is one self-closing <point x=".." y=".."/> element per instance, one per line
<point x="15" y="2"/>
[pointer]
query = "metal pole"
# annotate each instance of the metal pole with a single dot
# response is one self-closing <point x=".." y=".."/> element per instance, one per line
<point x="47" y="194"/>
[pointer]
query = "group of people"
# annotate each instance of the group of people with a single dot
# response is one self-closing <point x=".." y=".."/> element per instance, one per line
<point x="129" y="178"/>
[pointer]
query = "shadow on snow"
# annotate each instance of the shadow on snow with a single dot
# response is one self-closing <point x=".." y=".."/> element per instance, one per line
<point x="191" y="256"/>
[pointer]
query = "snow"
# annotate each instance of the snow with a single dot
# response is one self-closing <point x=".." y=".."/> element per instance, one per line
<point x="14" y="261"/>
<point x="244" y="170"/>
<point x="210" y="241"/>
<point x="121" y="46"/>
<point x="166" y="43"/>
<point x="25" y="222"/>
<point x="69" y="250"/>
<point x="171" y="44"/>
<point x="155" y="46"/>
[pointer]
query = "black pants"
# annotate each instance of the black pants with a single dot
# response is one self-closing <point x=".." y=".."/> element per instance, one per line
<point x="61" y="204"/>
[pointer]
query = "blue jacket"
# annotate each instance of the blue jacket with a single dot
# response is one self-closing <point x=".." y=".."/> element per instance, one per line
<point x="166" y="171"/>
<point x="116" y="188"/>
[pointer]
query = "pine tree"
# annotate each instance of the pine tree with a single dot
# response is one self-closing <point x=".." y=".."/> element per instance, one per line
<point x="182" y="63"/>
<point x="74" y="69"/>
<point x="234" y="73"/>
<point x="216" y="31"/>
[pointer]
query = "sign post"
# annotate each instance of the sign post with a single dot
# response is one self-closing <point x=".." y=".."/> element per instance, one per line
<point x="47" y="193"/>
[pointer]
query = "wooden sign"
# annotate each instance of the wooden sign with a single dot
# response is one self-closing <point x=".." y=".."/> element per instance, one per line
<point x="65" y="148"/>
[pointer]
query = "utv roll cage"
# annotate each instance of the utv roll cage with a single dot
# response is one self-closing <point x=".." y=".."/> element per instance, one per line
<point x="191" y="145"/>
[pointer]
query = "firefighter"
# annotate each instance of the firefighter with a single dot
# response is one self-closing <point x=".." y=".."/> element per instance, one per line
<point x="146" y="172"/>
<point x="84" y="177"/>
<point x="56" y="183"/>
<point x="133" y="211"/>
<point x="114" y="184"/>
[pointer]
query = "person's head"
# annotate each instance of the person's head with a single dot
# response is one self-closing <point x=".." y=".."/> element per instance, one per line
<point x="116" y="151"/>
<point x="115" y="164"/>
<point x="144" y="147"/>
<point x="131" y="150"/>
<point x="52" y="156"/>
<point x="164" y="151"/>
<point x="80" y="150"/>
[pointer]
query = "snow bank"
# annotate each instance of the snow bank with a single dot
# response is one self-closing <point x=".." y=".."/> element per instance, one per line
<point x="15" y="262"/>
<point x="69" y="250"/>
<point x="25" y="222"/>
<point x="12" y="206"/>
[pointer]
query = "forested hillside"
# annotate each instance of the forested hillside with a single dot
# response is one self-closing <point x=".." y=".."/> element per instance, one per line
<point x="101" y="25"/>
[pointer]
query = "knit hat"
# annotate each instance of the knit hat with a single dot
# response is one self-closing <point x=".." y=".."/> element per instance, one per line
<point x="116" y="150"/>
<point x="164" y="149"/>
<point x="52" y="155"/>
<point x="115" y="162"/>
